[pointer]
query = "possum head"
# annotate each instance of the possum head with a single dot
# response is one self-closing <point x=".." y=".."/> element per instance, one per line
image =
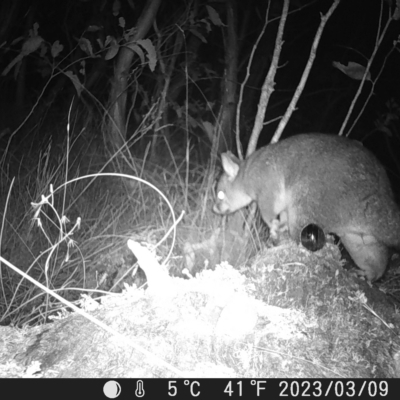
<point x="231" y="194"/>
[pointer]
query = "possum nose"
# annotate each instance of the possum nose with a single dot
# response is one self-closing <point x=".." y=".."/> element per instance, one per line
<point x="219" y="208"/>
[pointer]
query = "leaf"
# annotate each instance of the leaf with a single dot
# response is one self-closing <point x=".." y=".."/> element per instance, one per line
<point x="109" y="39"/>
<point x="31" y="45"/>
<point x="129" y="33"/>
<point x="116" y="7"/>
<point x="17" y="69"/>
<point x="396" y="14"/>
<point x="82" y="69"/>
<point x="353" y="70"/>
<point x="214" y="16"/>
<point x="208" y="128"/>
<point x="100" y="43"/>
<point x="196" y="33"/>
<point x="86" y="46"/>
<point x="43" y="51"/>
<point x="35" y="30"/>
<point x="17" y="40"/>
<point x="56" y="49"/>
<point x="113" y="50"/>
<point x="193" y="123"/>
<point x="75" y="81"/>
<point x="137" y="50"/>
<point x="147" y="44"/>
<point x="93" y="28"/>
<point x="206" y="25"/>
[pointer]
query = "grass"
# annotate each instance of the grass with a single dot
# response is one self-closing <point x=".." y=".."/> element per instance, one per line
<point x="76" y="238"/>
<point x="335" y="334"/>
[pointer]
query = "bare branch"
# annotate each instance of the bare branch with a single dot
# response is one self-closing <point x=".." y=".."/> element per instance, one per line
<point x="366" y="73"/>
<point x="268" y="86"/>
<point x="306" y="73"/>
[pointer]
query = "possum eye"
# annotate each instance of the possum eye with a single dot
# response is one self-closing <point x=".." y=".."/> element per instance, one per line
<point x="221" y="195"/>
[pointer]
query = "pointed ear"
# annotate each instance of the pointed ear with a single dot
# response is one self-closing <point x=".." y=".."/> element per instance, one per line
<point x="230" y="164"/>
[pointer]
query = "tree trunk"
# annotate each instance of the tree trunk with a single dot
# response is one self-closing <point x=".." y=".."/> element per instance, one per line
<point x="224" y="137"/>
<point x="116" y="126"/>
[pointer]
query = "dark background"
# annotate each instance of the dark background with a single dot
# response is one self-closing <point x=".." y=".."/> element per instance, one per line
<point x="350" y="35"/>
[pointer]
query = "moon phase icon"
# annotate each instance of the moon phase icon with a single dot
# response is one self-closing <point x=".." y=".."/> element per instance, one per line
<point x="112" y="389"/>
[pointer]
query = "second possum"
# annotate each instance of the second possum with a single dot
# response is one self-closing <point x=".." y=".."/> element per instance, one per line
<point x="327" y="180"/>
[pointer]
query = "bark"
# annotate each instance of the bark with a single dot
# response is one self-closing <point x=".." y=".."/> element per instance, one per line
<point x="118" y="96"/>
<point x="224" y="138"/>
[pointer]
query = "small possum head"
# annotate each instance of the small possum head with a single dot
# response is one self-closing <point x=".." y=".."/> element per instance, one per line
<point x="231" y="193"/>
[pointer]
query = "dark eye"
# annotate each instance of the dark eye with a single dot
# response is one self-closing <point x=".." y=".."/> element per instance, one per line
<point x="313" y="237"/>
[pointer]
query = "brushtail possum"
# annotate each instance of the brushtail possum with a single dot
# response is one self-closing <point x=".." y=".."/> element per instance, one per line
<point x="326" y="180"/>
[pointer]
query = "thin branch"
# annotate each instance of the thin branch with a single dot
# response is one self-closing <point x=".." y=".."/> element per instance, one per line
<point x="249" y="64"/>
<point x="366" y="73"/>
<point x="268" y="86"/>
<point x="306" y="73"/>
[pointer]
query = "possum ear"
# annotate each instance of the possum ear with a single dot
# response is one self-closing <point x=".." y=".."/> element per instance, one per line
<point x="230" y="164"/>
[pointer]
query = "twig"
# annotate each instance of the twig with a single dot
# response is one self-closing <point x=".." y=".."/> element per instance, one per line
<point x="306" y="72"/>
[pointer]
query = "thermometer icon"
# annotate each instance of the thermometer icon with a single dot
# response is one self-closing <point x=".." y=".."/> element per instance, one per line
<point x="139" y="389"/>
